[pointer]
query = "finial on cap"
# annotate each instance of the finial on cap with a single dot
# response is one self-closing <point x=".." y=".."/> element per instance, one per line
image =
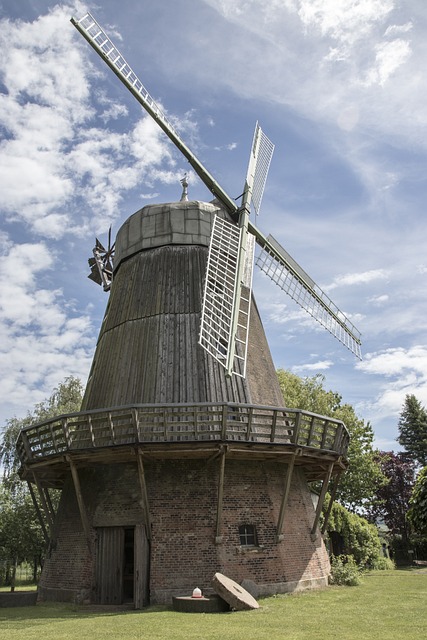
<point x="184" y="182"/>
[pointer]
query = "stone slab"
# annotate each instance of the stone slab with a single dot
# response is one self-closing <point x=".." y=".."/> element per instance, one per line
<point x="237" y="597"/>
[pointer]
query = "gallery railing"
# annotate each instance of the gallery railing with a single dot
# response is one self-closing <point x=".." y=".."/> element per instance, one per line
<point x="173" y="423"/>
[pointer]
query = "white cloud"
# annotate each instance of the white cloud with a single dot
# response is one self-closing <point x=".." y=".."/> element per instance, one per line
<point x="405" y="371"/>
<point x="389" y="57"/>
<point x="53" y="151"/>
<point x="322" y="365"/>
<point x="351" y="279"/>
<point x="379" y="300"/>
<point x="41" y="336"/>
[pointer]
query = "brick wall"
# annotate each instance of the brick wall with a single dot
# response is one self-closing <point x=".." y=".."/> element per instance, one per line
<point x="183" y="506"/>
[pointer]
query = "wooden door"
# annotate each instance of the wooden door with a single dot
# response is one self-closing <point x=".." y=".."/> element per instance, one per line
<point x="109" y="565"/>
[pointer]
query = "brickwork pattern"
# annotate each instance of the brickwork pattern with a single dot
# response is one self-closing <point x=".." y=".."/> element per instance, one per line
<point x="183" y="506"/>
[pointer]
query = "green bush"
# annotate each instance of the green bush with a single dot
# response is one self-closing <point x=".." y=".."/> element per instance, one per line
<point x="344" y="571"/>
<point x="360" y="538"/>
<point x="383" y="564"/>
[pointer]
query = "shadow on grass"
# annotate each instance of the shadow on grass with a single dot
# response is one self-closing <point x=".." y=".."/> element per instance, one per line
<point x="65" y="611"/>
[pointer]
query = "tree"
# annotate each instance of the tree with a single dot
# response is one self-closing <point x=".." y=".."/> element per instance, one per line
<point x="417" y="514"/>
<point x="66" y="398"/>
<point x="413" y="430"/>
<point x="392" y="499"/>
<point x="364" y="474"/>
<point x="21" y="536"/>
<point x="20" y="532"/>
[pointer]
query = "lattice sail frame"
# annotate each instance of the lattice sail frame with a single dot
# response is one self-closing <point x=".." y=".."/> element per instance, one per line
<point x="276" y="262"/>
<point x="259" y="164"/>
<point x="220" y="299"/>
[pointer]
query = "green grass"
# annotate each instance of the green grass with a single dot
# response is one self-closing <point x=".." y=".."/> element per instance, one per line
<point x="389" y="605"/>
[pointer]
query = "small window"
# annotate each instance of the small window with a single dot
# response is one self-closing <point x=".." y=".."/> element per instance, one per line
<point x="247" y="534"/>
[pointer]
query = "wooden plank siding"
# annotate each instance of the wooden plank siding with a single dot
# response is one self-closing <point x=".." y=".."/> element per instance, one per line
<point x="148" y="347"/>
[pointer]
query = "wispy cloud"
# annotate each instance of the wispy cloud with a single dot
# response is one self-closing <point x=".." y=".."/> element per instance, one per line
<point x="351" y="279"/>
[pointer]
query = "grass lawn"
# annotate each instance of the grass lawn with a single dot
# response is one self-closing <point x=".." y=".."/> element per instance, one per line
<point x="389" y="605"/>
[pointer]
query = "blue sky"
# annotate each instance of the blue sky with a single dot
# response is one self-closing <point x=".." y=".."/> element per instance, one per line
<point x="338" y="86"/>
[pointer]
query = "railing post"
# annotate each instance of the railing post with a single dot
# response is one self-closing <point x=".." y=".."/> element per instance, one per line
<point x="273" y="426"/>
<point x="27" y="447"/>
<point x="310" y="433"/>
<point x="297" y="424"/>
<point x="337" y="439"/>
<point x="111" y="425"/>
<point x="224" y="421"/>
<point x="249" y="427"/>
<point x="135" y="423"/>
<point x="66" y="432"/>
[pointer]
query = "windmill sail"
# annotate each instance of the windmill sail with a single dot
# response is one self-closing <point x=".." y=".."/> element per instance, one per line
<point x="259" y="164"/>
<point x="276" y="262"/>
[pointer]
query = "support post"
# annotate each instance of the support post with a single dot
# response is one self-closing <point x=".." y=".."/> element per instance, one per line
<point x="39" y="513"/>
<point x="321" y="499"/>
<point x="287" y="486"/>
<point x="218" y="537"/>
<point x="45" y="506"/>
<point x="143" y="485"/>
<point x="331" y="501"/>
<point x="80" y="502"/>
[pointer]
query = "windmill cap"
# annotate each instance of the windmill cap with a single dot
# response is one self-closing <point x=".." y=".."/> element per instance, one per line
<point x="157" y="225"/>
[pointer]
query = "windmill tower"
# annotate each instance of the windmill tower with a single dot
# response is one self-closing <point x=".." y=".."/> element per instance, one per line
<point x="183" y="461"/>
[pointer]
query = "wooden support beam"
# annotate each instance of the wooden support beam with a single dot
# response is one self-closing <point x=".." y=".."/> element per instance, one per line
<point x="331" y="501"/>
<point x="39" y="513"/>
<point x="45" y="506"/>
<point x="286" y="489"/>
<point x="144" y="494"/>
<point x="218" y="537"/>
<point x="80" y="502"/>
<point x="322" y="499"/>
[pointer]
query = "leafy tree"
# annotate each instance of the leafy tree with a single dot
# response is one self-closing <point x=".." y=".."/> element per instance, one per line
<point x="392" y="499"/>
<point x="21" y="536"/>
<point x="413" y="430"/>
<point x="417" y="514"/>
<point x="20" y="532"/>
<point x="66" y="398"/>
<point x="359" y="537"/>
<point x="364" y="474"/>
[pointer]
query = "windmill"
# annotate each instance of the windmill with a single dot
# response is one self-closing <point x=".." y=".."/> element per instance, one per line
<point x="183" y="461"/>
<point x="225" y="315"/>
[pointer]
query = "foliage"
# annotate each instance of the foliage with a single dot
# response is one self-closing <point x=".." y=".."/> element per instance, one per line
<point x="360" y="537"/>
<point x="383" y="564"/>
<point x="392" y="500"/>
<point x="21" y="536"/>
<point x="344" y="571"/>
<point x="364" y="475"/>
<point x="413" y="430"/>
<point x="66" y="398"/>
<point x="417" y="514"/>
